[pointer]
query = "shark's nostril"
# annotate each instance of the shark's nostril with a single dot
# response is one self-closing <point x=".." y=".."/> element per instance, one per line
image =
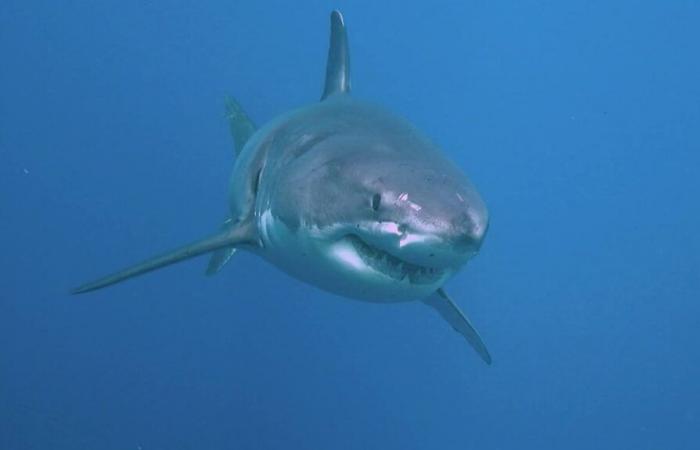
<point x="461" y="221"/>
<point x="471" y="228"/>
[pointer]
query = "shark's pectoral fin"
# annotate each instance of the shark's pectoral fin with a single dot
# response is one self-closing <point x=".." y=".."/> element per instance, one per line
<point x="449" y="311"/>
<point x="338" y="64"/>
<point x="240" y="235"/>
<point x="242" y="127"/>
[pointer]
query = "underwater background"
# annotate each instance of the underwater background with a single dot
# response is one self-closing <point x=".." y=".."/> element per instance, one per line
<point x="578" y="121"/>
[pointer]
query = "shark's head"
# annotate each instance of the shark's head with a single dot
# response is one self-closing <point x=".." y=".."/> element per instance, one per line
<point x="414" y="225"/>
<point x="384" y="214"/>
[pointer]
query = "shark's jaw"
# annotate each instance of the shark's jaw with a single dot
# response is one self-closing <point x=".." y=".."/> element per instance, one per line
<point x="392" y="265"/>
<point x="361" y="262"/>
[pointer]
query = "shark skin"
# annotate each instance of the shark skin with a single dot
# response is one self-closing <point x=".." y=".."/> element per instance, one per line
<point x="348" y="197"/>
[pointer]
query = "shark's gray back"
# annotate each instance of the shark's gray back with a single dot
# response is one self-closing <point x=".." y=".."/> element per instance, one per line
<point x="341" y="134"/>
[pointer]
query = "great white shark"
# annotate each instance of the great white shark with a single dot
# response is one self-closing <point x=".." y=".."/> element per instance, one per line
<point x="348" y="197"/>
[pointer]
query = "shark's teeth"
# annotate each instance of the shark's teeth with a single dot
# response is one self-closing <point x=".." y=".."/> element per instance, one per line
<point x="392" y="266"/>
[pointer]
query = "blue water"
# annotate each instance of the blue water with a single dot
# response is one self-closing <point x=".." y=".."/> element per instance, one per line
<point x="579" y="122"/>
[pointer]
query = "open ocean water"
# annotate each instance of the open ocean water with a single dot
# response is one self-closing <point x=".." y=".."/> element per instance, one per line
<point x="579" y="121"/>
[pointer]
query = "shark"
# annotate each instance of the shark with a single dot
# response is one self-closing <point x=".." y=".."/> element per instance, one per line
<point x="348" y="197"/>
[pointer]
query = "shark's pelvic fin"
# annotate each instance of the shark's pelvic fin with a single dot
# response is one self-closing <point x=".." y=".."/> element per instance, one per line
<point x="449" y="311"/>
<point x="338" y="65"/>
<point x="242" y="127"/>
<point x="220" y="257"/>
<point x="239" y="235"/>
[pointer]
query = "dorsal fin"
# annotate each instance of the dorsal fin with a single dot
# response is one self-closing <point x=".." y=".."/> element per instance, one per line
<point x="242" y="128"/>
<point x="338" y="65"/>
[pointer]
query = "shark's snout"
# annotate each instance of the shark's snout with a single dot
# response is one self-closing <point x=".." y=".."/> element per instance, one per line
<point x="471" y="228"/>
<point x="446" y="243"/>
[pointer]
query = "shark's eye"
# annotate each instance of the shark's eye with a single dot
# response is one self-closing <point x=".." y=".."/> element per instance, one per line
<point x="376" y="201"/>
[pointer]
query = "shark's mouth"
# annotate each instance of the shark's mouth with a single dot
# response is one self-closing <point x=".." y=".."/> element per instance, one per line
<point x="392" y="266"/>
